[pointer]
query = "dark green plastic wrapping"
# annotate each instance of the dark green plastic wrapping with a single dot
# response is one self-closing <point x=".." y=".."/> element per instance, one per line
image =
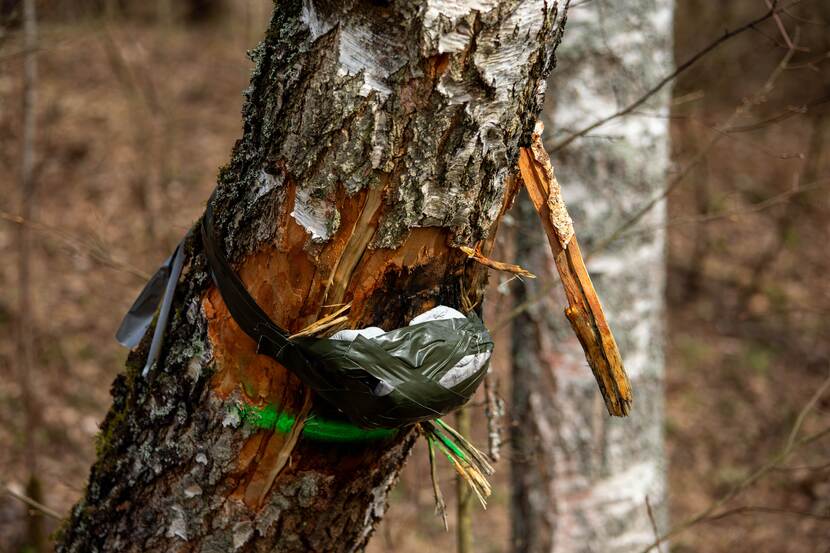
<point x="410" y="361"/>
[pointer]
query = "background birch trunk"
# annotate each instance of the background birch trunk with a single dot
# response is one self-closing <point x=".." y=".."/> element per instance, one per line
<point x="377" y="136"/>
<point x="580" y="478"/>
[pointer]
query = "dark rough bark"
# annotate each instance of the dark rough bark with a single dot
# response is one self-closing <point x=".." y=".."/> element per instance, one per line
<point x="376" y="137"/>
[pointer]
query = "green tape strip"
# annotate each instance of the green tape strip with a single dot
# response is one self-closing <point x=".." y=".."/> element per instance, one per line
<point x="450" y="445"/>
<point x="315" y="428"/>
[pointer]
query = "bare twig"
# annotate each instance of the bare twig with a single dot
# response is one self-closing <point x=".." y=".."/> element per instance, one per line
<point x="653" y="525"/>
<point x="56" y="41"/>
<point x="95" y="252"/>
<point x="818" y="22"/>
<point x="809" y="468"/>
<point x="791" y="111"/>
<point x="811" y="63"/>
<point x="736" y="132"/>
<point x="793" y="443"/>
<point x="699" y="156"/>
<point x="781" y="28"/>
<point x="750" y="509"/>
<point x="524" y="306"/>
<point x="671" y="76"/>
<point x="37" y="505"/>
<point x="479" y="257"/>
<point x="757" y="207"/>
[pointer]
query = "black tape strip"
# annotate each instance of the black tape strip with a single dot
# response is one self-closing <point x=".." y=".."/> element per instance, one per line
<point x="135" y="323"/>
<point x="164" y="310"/>
<point x="157" y="295"/>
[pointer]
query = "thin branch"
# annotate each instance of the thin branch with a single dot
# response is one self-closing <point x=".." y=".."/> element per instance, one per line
<point x="671" y="76"/>
<point x="700" y="156"/>
<point x="36" y="505"/>
<point x="802" y="415"/>
<point x="749" y="509"/>
<point x="653" y="525"/>
<point x="811" y="63"/>
<point x="477" y="256"/>
<point x="55" y="39"/>
<point x="752" y="209"/>
<point x="808" y="468"/>
<point x="524" y="306"/>
<point x="781" y="28"/>
<point x="786" y="11"/>
<point x="713" y="511"/>
<point x="791" y="111"/>
<point x="93" y="251"/>
<point x="735" y="132"/>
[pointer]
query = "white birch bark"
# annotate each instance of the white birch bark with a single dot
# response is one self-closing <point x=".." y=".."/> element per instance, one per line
<point x="600" y="470"/>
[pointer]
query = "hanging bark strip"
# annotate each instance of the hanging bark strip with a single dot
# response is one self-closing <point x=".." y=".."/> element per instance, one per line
<point x="584" y="310"/>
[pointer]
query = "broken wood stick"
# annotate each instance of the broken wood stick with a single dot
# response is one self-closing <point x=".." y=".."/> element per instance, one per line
<point x="479" y="257"/>
<point x="584" y="310"/>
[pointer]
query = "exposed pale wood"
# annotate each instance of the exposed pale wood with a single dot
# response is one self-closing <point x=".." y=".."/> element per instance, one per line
<point x="325" y="323"/>
<point x="584" y="309"/>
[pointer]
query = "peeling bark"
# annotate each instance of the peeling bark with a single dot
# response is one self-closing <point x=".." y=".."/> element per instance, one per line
<point x="581" y="478"/>
<point x="377" y="137"/>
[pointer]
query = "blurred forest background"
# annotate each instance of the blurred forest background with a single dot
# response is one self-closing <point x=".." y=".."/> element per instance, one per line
<point x="138" y="105"/>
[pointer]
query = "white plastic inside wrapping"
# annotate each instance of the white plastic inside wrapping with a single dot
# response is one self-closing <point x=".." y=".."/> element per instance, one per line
<point x="466" y="366"/>
<point x="439" y="313"/>
<point x="351" y="335"/>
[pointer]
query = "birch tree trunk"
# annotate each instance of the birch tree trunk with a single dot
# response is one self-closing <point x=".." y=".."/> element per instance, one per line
<point x="377" y="135"/>
<point x="580" y="478"/>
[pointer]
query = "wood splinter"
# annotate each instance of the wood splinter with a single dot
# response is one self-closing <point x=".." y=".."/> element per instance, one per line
<point x="584" y="311"/>
<point x="479" y="257"/>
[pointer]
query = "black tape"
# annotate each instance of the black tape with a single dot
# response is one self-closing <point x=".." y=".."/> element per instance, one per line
<point x="138" y="319"/>
<point x="157" y="294"/>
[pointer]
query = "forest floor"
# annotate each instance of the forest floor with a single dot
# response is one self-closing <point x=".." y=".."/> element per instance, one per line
<point x="134" y="122"/>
